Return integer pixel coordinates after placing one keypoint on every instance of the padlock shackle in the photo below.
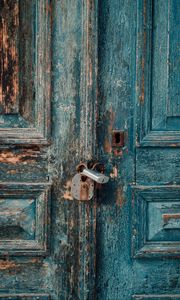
(96, 176)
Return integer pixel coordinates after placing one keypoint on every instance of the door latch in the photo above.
(83, 183)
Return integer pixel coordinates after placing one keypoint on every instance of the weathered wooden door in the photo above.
(84, 81)
(46, 128)
(138, 219)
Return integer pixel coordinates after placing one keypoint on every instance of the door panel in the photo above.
(9, 56)
(157, 81)
(24, 130)
(138, 212)
(80, 81)
(47, 126)
(23, 219)
(156, 221)
(25, 72)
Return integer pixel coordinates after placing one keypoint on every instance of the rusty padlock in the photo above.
(82, 187)
(83, 183)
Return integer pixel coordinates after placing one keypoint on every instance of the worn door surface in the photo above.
(138, 219)
(47, 84)
(89, 81)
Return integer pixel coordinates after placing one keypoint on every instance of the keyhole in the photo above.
(84, 192)
(117, 137)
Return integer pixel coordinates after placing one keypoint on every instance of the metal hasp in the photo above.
(82, 187)
(96, 176)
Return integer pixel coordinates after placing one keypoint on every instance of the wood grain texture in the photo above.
(150, 238)
(28, 72)
(9, 57)
(117, 28)
(90, 243)
(24, 211)
(149, 157)
(154, 75)
(158, 166)
(174, 59)
(25, 266)
(25, 296)
(73, 134)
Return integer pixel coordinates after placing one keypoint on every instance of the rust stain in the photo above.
(9, 157)
(117, 152)
(35, 260)
(12, 172)
(114, 173)
(142, 95)
(6, 264)
(107, 146)
(84, 191)
(168, 217)
(48, 7)
(120, 199)
(67, 194)
(108, 137)
(24, 156)
(90, 75)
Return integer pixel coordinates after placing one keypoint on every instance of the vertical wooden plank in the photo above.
(85, 215)
(116, 87)
(88, 78)
(42, 83)
(74, 110)
(9, 83)
(87, 211)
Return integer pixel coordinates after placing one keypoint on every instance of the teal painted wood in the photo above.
(74, 111)
(155, 221)
(29, 124)
(24, 219)
(136, 88)
(39, 153)
(154, 86)
(157, 297)
(91, 245)
(25, 296)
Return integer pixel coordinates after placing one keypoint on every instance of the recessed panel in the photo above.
(158, 80)
(23, 219)
(156, 221)
(25, 64)
(165, 99)
(17, 219)
(163, 220)
(9, 56)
